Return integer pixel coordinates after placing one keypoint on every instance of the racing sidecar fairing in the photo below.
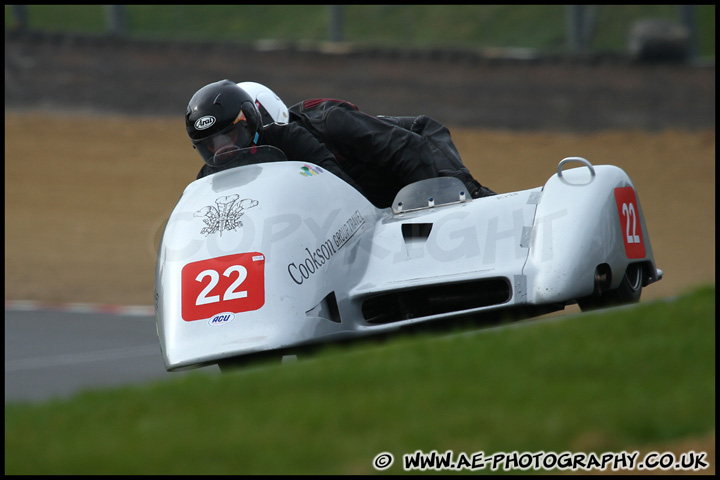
(245, 269)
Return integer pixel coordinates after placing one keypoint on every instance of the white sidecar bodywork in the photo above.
(245, 269)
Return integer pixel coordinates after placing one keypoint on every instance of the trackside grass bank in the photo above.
(524, 26)
(597, 382)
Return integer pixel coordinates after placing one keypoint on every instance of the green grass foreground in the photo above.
(602, 382)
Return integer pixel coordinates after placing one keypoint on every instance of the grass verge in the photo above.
(598, 382)
(541, 27)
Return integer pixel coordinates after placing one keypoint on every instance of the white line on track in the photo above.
(79, 358)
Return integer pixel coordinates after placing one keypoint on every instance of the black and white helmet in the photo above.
(272, 108)
(220, 119)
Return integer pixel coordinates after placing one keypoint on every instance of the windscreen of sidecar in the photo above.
(235, 157)
(430, 193)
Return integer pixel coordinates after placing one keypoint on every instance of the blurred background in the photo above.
(683, 31)
(520, 87)
(442, 61)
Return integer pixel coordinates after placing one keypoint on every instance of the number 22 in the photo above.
(629, 211)
(230, 294)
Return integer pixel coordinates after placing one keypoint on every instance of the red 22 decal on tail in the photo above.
(233, 283)
(630, 224)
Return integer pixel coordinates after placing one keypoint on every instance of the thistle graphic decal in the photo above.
(226, 216)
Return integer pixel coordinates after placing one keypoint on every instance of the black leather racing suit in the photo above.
(383, 154)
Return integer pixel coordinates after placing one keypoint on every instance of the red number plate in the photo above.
(233, 283)
(631, 227)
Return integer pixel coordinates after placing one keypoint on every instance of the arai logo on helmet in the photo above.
(204, 122)
(222, 319)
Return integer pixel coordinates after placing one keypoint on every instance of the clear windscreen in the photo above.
(430, 193)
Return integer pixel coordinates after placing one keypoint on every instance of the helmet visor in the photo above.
(217, 149)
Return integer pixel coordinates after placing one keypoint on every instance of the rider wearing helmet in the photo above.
(272, 109)
(381, 153)
(222, 118)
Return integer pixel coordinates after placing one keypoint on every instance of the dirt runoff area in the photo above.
(86, 198)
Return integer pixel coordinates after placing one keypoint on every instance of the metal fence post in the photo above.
(574, 25)
(580, 26)
(688, 19)
(20, 17)
(116, 20)
(335, 23)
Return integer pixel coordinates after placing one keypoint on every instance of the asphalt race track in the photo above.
(56, 354)
(52, 354)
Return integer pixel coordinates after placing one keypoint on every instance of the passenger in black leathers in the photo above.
(381, 153)
(221, 119)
